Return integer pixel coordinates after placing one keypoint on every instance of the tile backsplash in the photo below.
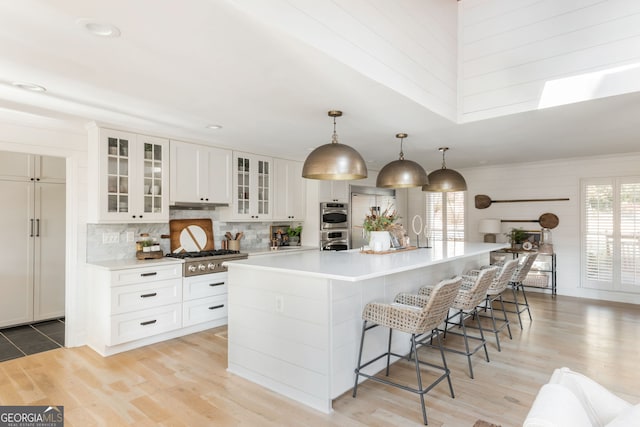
(102, 244)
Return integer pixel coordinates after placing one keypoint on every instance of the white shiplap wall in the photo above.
(409, 46)
(512, 53)
(557, 179)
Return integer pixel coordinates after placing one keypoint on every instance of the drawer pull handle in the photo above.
(148, 322)
(216, 284)
(149, 295)
(216, 306)
(149, 274)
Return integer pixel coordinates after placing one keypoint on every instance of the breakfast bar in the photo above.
(295, 320)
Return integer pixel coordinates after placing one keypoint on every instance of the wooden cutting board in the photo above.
(191, 235)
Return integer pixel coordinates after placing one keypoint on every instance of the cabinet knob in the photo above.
(133, 216)
(140, 216)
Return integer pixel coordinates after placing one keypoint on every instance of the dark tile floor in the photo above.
(29, 339)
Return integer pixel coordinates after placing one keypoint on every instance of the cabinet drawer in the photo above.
(145, 295)
(146, 274)
(204, 286)
(141, 324)
(204, 310)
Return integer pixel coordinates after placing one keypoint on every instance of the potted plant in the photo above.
(376, 224)
(516, 237)
(294, 235)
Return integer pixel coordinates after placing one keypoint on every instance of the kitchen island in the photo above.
(295, 320)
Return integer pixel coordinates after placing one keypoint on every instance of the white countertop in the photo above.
(282, 250)
(353, 265)
(121, 264)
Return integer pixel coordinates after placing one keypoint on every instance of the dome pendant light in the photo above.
(402, 173)
(445, 180)
(334, 161)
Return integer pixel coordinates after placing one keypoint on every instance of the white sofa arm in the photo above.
(572, 399)
(556, 406)
(600, 405)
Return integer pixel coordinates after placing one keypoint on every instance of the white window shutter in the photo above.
(445, 216)
(611, 242)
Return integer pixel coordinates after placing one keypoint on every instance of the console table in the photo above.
(543, 272)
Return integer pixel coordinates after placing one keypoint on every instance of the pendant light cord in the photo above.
(444, 150)
(334, 137)
(401, 153)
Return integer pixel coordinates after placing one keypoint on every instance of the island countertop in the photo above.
(354, 265)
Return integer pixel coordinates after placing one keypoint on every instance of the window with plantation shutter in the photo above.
(630, 235)
(445, 216)
(611, 234)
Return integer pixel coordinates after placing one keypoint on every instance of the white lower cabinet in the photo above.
(145, 295)
(140, 303)
(205, 299)
(204, 310)
(144, 323)
(133, 304)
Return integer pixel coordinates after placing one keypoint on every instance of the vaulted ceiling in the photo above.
(268, 76)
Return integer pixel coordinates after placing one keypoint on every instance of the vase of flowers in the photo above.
(376, 224)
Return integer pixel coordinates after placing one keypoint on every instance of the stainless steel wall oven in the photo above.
(334, 226)
(334, 240)
(334, 216)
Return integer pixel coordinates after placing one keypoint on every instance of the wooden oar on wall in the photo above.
(483, 201)
(546, 220)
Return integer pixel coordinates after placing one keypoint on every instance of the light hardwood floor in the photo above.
(183, 382)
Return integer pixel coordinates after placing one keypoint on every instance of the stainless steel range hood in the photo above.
(196, 206)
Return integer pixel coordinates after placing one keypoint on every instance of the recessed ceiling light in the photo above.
(99, 28)
(29, 86)
(214, 126)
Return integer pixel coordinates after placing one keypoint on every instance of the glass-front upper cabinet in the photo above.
(118, 173)
(128, 177)
(153, 174)
(243, 185)
(252, 183)
(264, 187)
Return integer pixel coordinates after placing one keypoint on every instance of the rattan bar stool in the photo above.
(465, 306)
(517, 286)
(494, 293)
(416, 315)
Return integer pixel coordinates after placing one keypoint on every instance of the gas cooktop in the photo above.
(206, 262)
(202, 254)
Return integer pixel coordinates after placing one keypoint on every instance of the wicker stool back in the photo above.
(416, 315)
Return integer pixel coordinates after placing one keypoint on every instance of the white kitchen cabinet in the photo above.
(140, 324)
(131, 304)
(32, 272)
(135, 303)
(205, 299)
(49, 259)
(252, 189)
(31, 167)
(128, 177)
(289, 190)
(333, 191)
(199, 174)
